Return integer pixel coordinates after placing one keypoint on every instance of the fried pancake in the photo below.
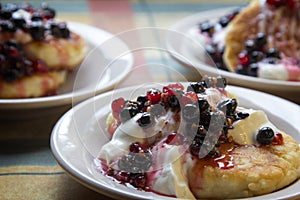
(281, 25)
(40, 84)
(255, 171)
(237, 33)
(42, 36)
(58, 53)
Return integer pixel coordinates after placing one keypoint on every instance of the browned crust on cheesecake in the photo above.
(238, 32)
(256, 171)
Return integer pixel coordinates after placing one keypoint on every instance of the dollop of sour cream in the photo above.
(244, 131)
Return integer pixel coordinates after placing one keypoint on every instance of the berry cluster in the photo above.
(255, 51)
(133, 166)
(153, 104)
(214, 50)
(207, 127)
(40, 24)
(156, 102)
(207, 27)
(14, 64)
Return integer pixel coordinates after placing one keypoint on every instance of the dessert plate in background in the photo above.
(93, 76)
(101, 70)
(183, 50)
(79, 135)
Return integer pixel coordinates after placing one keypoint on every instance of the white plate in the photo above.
(79, 135)
(182, 49)
(99, 71)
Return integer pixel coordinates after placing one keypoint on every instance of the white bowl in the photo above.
(99, 72)
(79, 135)
(183, 50)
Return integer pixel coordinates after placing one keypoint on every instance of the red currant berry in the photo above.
(139, 181)
(167, 92)
(153, 95)
(123, 177)
(176, 86)
(13, 52)
(244, 58)
(174, 139)
(276, 3)
(117, 105)
(135, 147)
(40, 66)
(291, 4)
(278, 139)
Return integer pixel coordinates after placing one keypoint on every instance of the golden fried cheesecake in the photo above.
(36, 51)
(264, 40)
(23, 78)
(247, 170)
(43, 36)
(196, 143)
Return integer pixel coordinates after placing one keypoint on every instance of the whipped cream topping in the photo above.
(287, 70)
(170, 171)
(130, 132)
(124, 135)
(271, 71)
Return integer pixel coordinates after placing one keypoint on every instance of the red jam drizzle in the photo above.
(224, 161)
(278, 139)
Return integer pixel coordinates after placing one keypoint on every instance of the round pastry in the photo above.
(264, 40)
(252, 171)
(261, 40)
(21, 77)
(196, 143)
(36, 51)
(43, 37)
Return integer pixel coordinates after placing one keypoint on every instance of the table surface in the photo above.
(27, 168)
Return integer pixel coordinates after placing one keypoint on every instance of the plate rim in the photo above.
(91, 183)
(193, 20)
(66, 98)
